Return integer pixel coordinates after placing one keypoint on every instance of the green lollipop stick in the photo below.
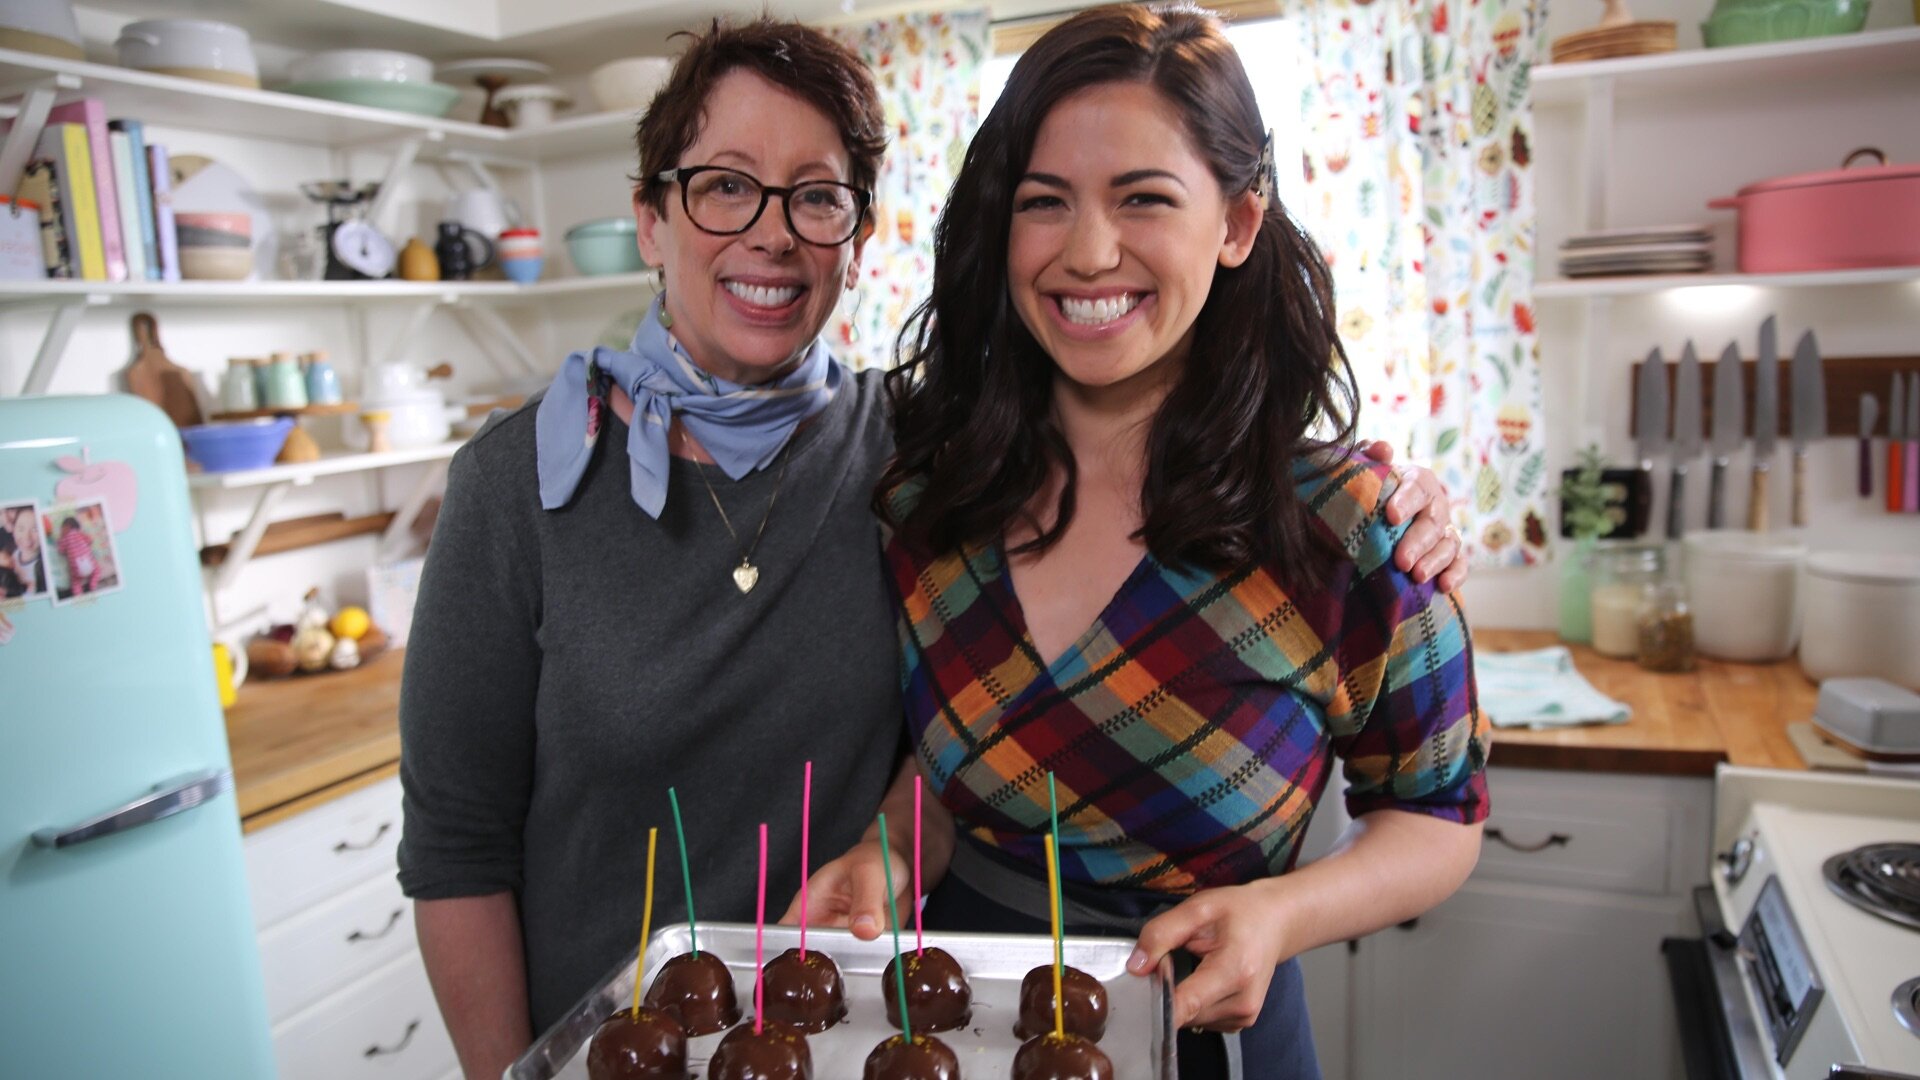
(686, 875)
(893, 909)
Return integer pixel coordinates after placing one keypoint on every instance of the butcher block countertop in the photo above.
(1682, 724)
(298, 742)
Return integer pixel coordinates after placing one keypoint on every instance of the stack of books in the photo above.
(104, 196)
(1652, 249)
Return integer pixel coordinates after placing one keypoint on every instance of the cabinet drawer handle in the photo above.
(343, 847)
(1553, 840)
(392, 921)
(377, 1050)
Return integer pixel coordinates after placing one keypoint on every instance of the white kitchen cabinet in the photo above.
(1547, 962)
(347, 993)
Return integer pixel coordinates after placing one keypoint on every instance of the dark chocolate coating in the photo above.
(925, 1058)
(1086, 1004)
(938, 997)
(697, 990)
(779, 1052)
(648, 1046)
(807, 994)
(1060, 1057)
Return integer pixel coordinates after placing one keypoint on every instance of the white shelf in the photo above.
(595, 133)
(171, 101)
(1574, 288)
(14, 293)
(1736, 69)
(332, 465)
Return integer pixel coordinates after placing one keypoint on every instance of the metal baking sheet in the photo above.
(1139, 1036)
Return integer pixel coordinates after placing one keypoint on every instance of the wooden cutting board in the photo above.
(158, 379)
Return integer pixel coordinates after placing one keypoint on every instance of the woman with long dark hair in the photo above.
(1135, 548)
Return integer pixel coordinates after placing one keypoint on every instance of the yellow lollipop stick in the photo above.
(1053, 901)
(646, 925)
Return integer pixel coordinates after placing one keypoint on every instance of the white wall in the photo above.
(1671, 156)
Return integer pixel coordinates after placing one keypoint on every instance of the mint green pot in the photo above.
(605, 246)
(1755, 22)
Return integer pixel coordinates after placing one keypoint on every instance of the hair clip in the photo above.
(1266, 178)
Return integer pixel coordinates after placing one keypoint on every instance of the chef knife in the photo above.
(1766, 423)
(1650, 410)
(1687, 440)
(1729, 427)
(1809, 415)
(1912, 502)
(1869, 416)
(1897, 434)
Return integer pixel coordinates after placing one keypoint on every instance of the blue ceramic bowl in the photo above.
(525, 270)
(235, 445)
(605, 246)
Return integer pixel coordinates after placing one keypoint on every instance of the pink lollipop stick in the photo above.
(759, 939)
(919, 938)
(806, 868)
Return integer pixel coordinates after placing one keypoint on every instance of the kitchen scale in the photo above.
(356, 251)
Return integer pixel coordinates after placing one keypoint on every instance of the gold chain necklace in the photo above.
(746, 575)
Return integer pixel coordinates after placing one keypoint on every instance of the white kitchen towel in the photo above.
(1540, 689)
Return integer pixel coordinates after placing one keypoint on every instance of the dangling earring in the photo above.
(666, 317)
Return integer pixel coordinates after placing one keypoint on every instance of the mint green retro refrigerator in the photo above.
(126, 935)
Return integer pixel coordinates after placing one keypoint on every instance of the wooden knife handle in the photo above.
(1757, 509)
(1717, 495)
(1799, 488)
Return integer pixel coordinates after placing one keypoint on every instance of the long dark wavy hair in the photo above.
(972, 403)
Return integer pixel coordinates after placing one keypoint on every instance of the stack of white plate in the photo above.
(1652, 249)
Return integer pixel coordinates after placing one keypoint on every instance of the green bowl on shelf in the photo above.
(605, 246)
(1756, 22)
(421, 99)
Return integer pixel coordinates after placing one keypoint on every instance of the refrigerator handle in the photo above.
(167, 798)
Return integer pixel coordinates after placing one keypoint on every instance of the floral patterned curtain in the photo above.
(1418, 166)
(927, 66)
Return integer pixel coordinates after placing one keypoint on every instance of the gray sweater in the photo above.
(566, 667)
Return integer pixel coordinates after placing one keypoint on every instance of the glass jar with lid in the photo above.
(1666, 628)
(1621, 574)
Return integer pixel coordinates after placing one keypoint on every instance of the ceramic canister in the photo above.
(1861, 617)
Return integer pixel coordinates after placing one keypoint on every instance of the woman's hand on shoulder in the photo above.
(851, 892)
(1238, 932)
(1431, 549)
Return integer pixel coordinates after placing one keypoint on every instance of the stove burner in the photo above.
(1881, 878)
(1906, 1004)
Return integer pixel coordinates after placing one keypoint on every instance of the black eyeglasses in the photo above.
(727, 202)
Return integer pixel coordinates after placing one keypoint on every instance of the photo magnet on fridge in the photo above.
(23, 555)
(79, 548)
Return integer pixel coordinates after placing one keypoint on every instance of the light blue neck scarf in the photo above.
(742, 427)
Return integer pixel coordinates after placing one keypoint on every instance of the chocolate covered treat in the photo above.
(697, 990)
(807, 994)
(1060, 1057)
(638, 1044)
(778, 1052)
(1085, 1004)
(938, 997)
(925, 1058)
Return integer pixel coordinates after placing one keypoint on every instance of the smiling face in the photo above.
(1118, 227)
(747, 306)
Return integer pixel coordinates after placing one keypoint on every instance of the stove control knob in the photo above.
(1735, 861)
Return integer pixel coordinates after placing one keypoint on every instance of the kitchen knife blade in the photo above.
(1869, 416)
(1897, 435)
(1729, 427)
(1650, 413)
(1809, 415)
(1766, 422)
(1687, 442)
(1912, 499)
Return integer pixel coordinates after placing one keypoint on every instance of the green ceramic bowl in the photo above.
(1755, 22)
(605, 246)
(423, 99)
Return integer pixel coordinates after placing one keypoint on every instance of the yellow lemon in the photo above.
(351, 622)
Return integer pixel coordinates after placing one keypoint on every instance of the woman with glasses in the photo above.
(667, 572)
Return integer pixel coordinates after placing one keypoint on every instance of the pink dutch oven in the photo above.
(1841, 219)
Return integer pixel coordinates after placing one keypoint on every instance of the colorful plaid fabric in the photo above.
(1192, 728)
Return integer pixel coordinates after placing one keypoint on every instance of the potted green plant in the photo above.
(1583, 509)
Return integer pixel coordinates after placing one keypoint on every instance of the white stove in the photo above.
(1816, 954)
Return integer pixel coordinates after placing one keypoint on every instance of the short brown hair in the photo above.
(800, 59)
